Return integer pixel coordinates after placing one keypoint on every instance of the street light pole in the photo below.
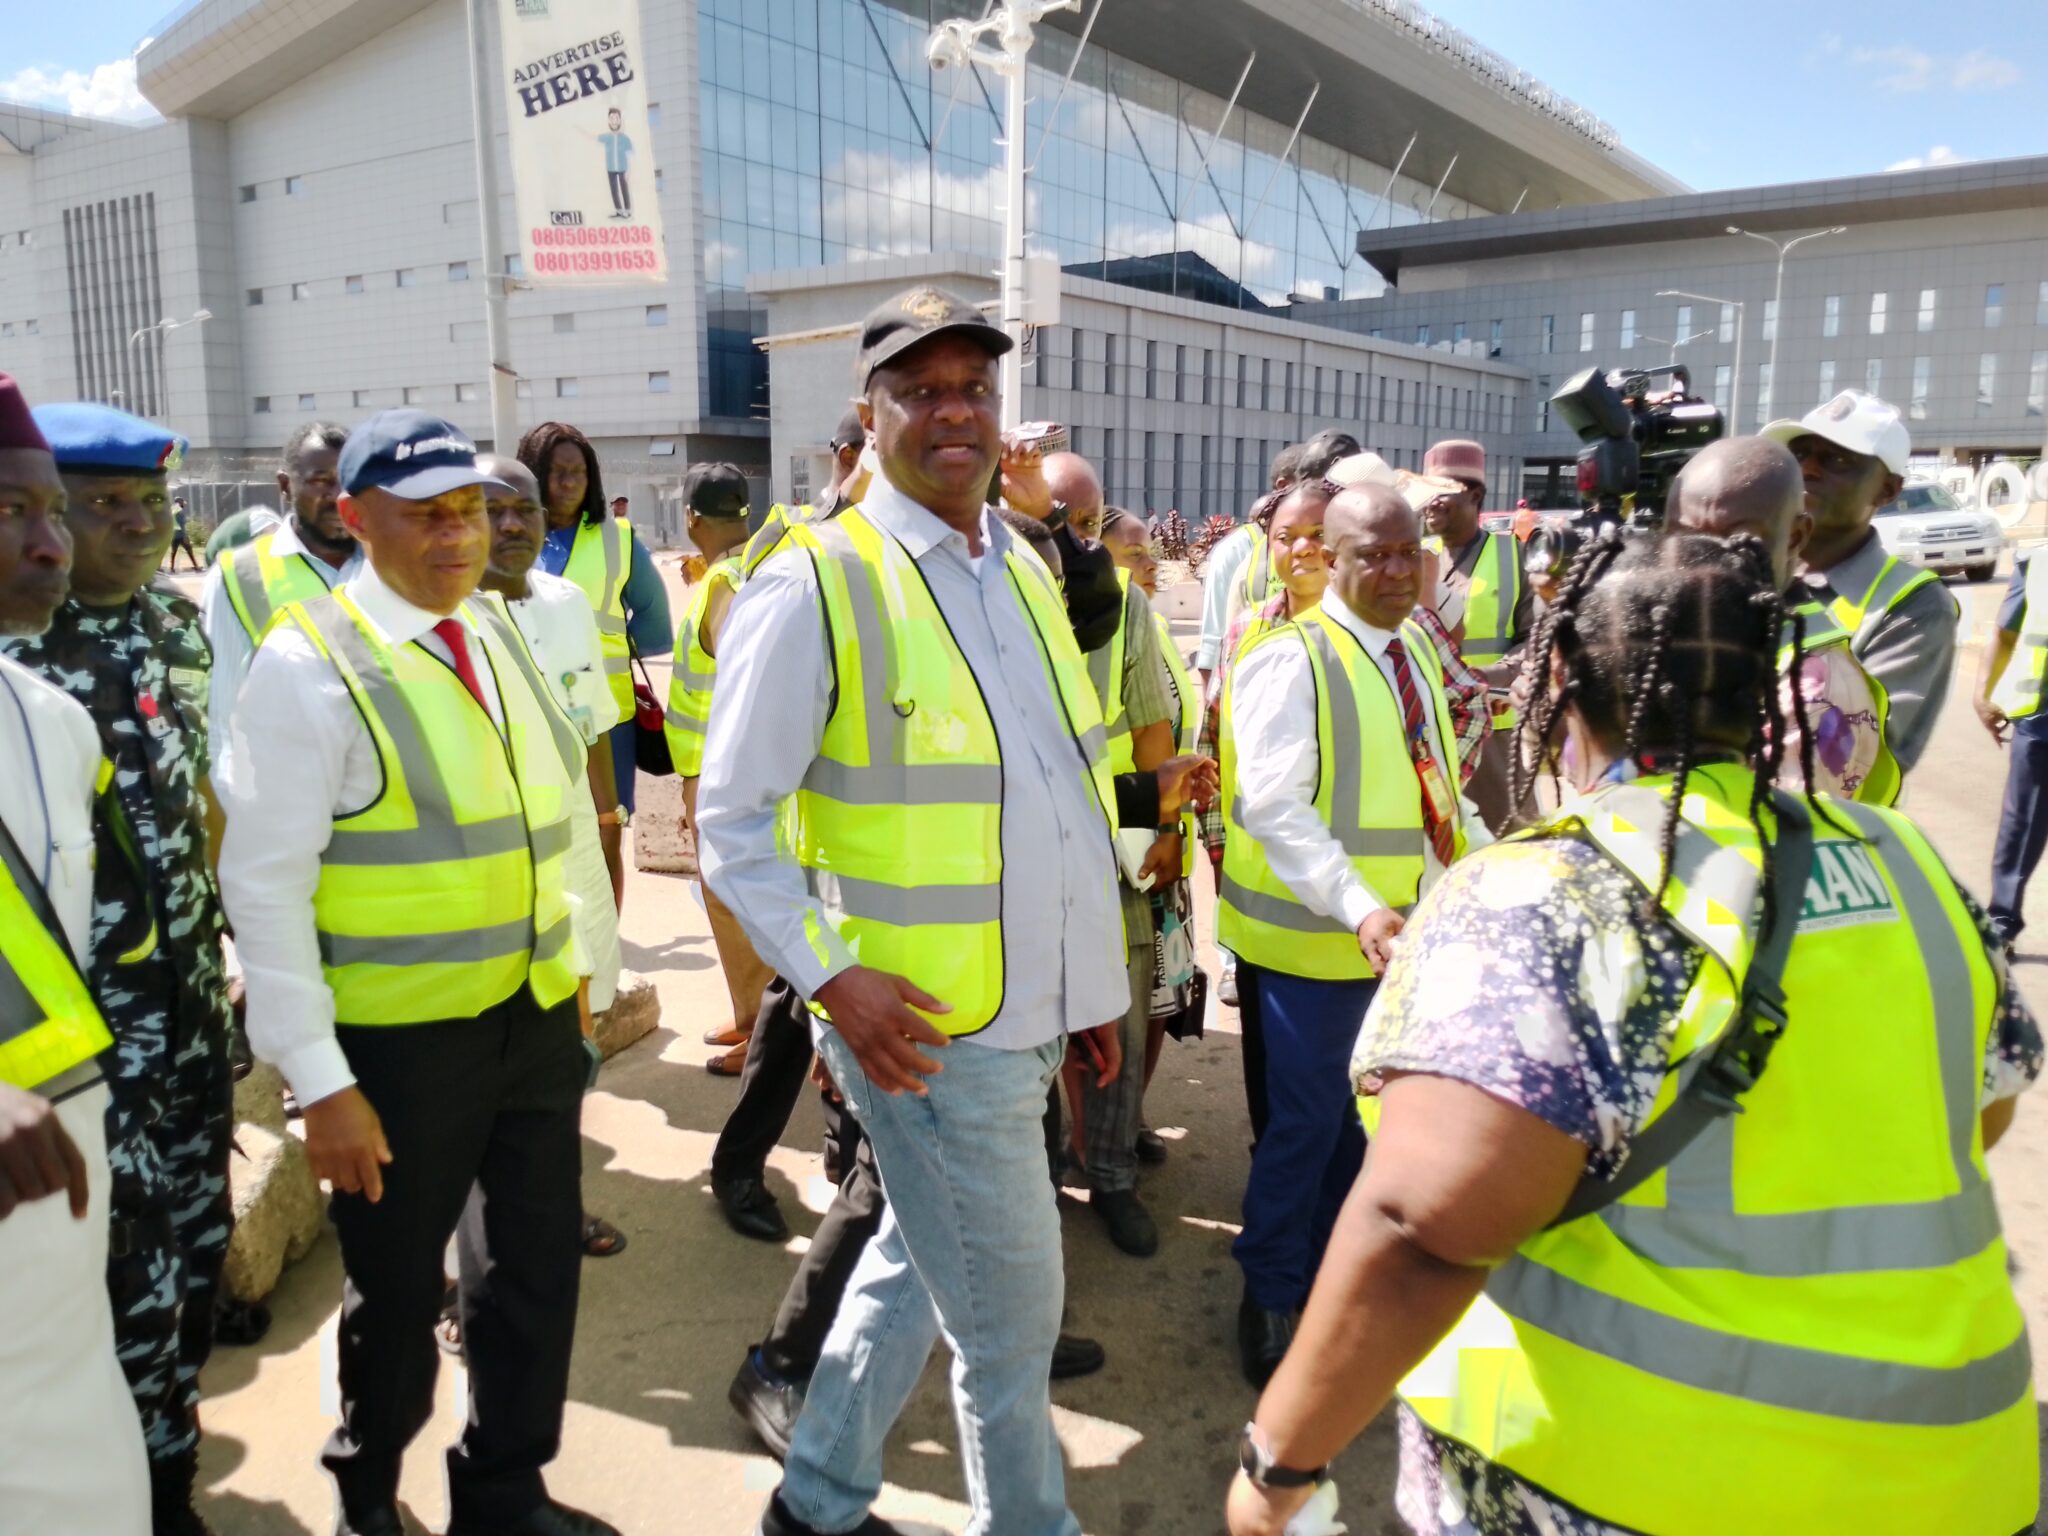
(161, 328)
(1741, 324)
(1784, 249)
(1675, 345)
(953, 46)
(497, 328)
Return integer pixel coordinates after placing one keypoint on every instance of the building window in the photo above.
(1873, 377)
(564, 324)
(408, 277)
(1724, 379)
(1457, 332)
(659, 180)
(458, 271)
(412, 394)
(1080, 347)
(1151, 496)
(522, 389)
(1180, 373)
(1422, 335)
(1494, 334)
(6, 329)
(661, 448)
(32, 327)
(1586, 332)
(1546, 338)
(1763, 393)
(1376, 334)
(352, 284)
(1831, 315)
(657, 382)
(1923, 382)
(1926, 320)
(1316, 405)
(466, 394)
(294, 185)
(249, 193)
(1151, 370)
(567, 389)
(1244, 373)
(261, 405)
(306, 403)
(1265, 383)
(1684, 323)
(1287, 400)
(1987, 382)
(1543, 404)
(1827, 380)
(1994, 306)
(301, 291)
(1877, 308)
(2040, 304)
(1727, 331)
(255, 297)
(1628, 329)
(360, 399)
(1400, 401)
(1208, 376)
(1379, 412)
(1109, 380)
(515, 266)
(654, 116)
(2037, 385)
(657, 314)
(1770, 320)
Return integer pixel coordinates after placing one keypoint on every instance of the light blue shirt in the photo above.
(1226, 560)
(618, 149)
(1063, 946)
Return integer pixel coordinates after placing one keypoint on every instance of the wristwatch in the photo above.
(1255, 1460)
(1057, 518)
(618, 816)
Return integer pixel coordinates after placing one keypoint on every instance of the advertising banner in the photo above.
(582, 156)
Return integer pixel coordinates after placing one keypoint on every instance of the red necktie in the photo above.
(450, 631)
(1441, 835)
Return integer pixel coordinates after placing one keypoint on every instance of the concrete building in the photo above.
(1934, 296)
(1199, 169)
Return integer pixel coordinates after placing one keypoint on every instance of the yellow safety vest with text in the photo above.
(1804, 1322)
(446, 894)
(1367, 794)
(1886, 778)
(1106, 673)
(260, 583)
(898, 822)
(2020, 687)
(51, 1031)
(600, 560)
(695, 670)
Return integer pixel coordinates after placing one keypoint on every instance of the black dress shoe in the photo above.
(770, 1406)
(750, 1210)
(549, 1519)
(1075, 1356)
(380, 1521)
(1151, 1146)
(1262, 1340)
(1130, 1225)
(776, 1520)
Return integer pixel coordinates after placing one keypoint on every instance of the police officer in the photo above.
(133, 655)
(415, 775)
(71, 1456)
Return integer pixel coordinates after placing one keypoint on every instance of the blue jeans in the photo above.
(1304, 1164)
(2022, 828)
(968, 1250)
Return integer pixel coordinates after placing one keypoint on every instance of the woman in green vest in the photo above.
(1607, 1305)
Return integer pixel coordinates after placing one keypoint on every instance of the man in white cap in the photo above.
(1900, 619)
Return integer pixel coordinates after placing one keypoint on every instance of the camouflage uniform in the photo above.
(142, 673)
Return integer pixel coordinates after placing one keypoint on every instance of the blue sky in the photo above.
(1721, 93)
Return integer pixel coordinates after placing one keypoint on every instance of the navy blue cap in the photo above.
(90, 439)
(410, 455)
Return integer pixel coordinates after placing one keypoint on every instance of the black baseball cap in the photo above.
(909, 319)
(411, 455)
(717, 490)
(851, 433)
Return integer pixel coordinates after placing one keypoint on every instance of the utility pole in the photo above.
(1784, 249)
(953, 46)
(497, 333)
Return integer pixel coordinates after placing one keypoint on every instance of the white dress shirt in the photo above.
(1273, 721)
(1063, 946)
(298, 756)
(232, 647)
(49, 767)
(1219, 593)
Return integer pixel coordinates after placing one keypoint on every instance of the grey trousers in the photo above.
(1110, 1116)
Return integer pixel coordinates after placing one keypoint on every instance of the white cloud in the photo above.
(108, 90)
(1904, 71)
(1941, 154)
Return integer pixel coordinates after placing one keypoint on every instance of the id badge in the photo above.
(1436, 791)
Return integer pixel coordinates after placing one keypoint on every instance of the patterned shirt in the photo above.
(1530, 973)
(142, 672)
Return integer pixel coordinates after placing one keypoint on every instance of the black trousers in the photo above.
(794, 1344)
(489, 1104)
(1252, 1051)
(777, 1067)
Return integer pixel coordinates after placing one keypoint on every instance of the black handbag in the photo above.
(650, 741)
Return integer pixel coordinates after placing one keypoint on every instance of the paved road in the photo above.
(650, 1442)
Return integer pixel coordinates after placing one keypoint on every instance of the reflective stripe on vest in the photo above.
(600, 560)
(898, 822)
(1490, 600)
(1255, 585)
(51, 1032)
(694, 670)
(1106, 672)
(768, 538)
(444, 895)
(2019, 689)
(260, 583)
(1893, 584)
(1375, 817)
(1808, 1294)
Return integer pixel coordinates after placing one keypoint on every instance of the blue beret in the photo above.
(90, 438)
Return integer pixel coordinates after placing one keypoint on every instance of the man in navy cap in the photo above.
(132, 653)
(397, 782)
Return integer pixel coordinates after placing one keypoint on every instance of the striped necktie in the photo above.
(1441, 834)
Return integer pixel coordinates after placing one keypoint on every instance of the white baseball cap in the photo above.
(1356, 469)
(1859, 422)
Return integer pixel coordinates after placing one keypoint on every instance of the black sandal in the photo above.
(601, 1240)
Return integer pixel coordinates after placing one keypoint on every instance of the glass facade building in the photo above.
(828, 138)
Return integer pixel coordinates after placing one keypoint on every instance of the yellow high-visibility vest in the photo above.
(1882, 784)
(1493, 593)
(898, 822)
(1255, 583)
(446, 895)
(695, 670)
(600, 560)
(1187, 728)
(1106, 674)
(768, 538)
(260, 583)
(51, 1031)
(2019, 689)
(1366, 792)
(1804, 1322)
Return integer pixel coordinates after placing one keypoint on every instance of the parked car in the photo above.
(1927, 526)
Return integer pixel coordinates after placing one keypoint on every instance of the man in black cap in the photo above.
(132, 653)
(397, 756)
(975, 736)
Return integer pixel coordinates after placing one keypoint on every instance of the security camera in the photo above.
(948, 48)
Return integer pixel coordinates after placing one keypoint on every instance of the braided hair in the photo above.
(537, 453)
(1667, 647)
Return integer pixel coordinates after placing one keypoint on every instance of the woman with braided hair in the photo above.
(1608, 1306)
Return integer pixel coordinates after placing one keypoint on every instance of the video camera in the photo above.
(1637, 438)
